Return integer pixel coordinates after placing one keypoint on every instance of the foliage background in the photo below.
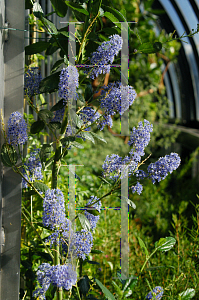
(161, 210)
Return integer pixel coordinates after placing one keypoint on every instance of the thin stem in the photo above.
(33, 227)
(78, 291)
(87, 31)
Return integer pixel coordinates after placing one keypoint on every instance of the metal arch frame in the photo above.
(169, 9)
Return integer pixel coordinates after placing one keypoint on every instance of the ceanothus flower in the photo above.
(93, 219)
(104, 55)
(112, 166)
(89, 115)
(116, 98)
(140, 137)
(156, 293)
(54, 209)
(69, 81)
(165, 165)
(106, 120)
(44, 279)
(32, 79)
(63, 235)
(137, 188)
(33, 168)
(63, 276)
(83, 243)
(17, 129)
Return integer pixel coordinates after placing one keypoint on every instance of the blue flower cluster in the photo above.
(156, 293)
(83, 243)
(63, 235)
(104, 55)
(63, 276)
(137, 188)
(32, 169)
(93, 219)
(32, 79)
(17, 129)
(107, 120)
(165, 165)
(140, 137)
(88, 115)
(44, 279)
(116, 167)
(69, 81)
(54, 209)
(116, 98)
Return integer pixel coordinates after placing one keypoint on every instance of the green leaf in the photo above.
(131, 282)
(123, 12)
(77, 145)
(41, 187)
(57, 65)
(28, 4)
(150, 48)
(59, 105)
(79, 122)
(110, 31)
(36, 48)
(50, 83)
(37, 10)
(99, 137)
(68, 139)
(103, 179)
(81, 98)
(157, 46)
(37, 126)
(88, 136)
(114, 12)
(79, 16)
(52, 48)
(54, 125)
(45, 114)
(186, 295)
(9, 155)
(142, 245)
(44, 255)
(94, 251)
(96, 6)
(84, 222)
(50, 292)
(50, 25)
(60, 7)
(131, 203)
(106, 292)
(45, 152)
(117, 289)
(165, 244)
(111, 17)
(84, 285)
(88, 95)
(75, 6)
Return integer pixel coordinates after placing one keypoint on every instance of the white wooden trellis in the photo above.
(11, 99)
